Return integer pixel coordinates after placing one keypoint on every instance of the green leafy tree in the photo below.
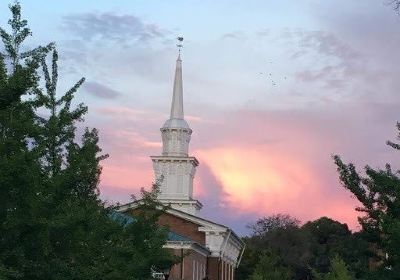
(57, 136)
(331, 238)
(249, 260)
(338, 271)
(273, 222)
(305, 250)
(79, 219)
(20, 172)
(271, 267)
(53, 224)
(147, 238)
(282, 235)
(379, 194)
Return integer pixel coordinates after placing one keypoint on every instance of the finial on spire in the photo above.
(180, 44)
(177, 98)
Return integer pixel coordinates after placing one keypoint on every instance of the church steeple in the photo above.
(177, 97)
(175, 169)
(176, 119)
(176, 131)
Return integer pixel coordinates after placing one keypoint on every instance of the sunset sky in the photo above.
(272, 89)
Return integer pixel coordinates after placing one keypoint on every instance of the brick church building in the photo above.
(208, 249)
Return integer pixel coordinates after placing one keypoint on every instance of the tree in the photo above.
(53, 224)
(274, 222)
(282, 235)
(270, 267)
(249, 260)
(378, 191)
(304, 250)
(20, 172)
(338, 271)
(85, 238)
(333, 239)
(147, 238)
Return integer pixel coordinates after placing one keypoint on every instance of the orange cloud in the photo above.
(264, 180)
(249, 174)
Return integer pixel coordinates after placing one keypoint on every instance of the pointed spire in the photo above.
(177, 98)
(176, 119)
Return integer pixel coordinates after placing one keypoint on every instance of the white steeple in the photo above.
(177, 97)
(175, 169)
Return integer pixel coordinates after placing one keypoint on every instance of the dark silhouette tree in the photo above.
(53, 224)
(378, 191)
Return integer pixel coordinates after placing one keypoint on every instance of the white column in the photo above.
(225, 274)
(193, 270)
(197, 271)
(222, 269)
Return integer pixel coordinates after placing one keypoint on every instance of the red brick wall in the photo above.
(220, 270)
(214, 268)
(194, 266)
(179, 225)
(183, 227)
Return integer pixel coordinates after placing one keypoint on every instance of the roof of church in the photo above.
(184, 215)
(121, 218)
(125, 220)
(137, 203)
(173, 236)
(208, 221)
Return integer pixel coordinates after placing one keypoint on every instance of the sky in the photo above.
(272, 89)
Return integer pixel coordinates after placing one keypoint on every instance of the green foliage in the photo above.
(52, 223)
(58, 131)
(148, 236)
(270, 267)
(20, 32)
(331, 239)
(249, 260)
(21, 177)
(379, 194)
(305, 250)
(281, 235)
(338, 271)
(274, 222)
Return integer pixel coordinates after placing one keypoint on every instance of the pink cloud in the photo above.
(280, 161)
(257, 163)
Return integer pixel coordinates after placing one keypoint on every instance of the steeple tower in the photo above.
(175, 169)
(177, 97)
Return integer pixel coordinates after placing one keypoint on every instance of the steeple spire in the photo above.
(177, 98)
(176, 119)
(175, 169)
